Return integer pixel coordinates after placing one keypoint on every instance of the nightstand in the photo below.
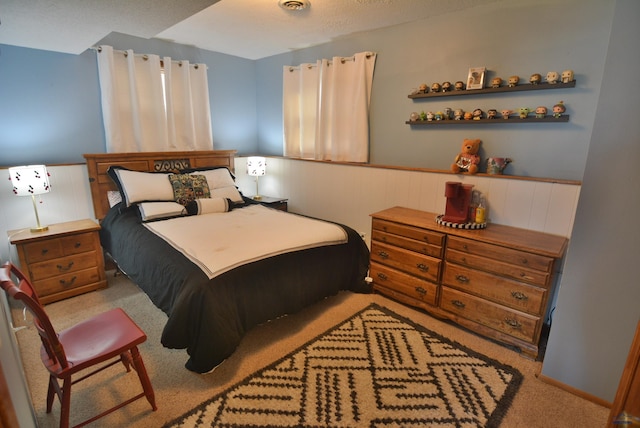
(277, 203)
(64, 261)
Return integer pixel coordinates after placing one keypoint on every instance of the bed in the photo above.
(210, 309)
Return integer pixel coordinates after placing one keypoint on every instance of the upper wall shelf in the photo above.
(522, 87)
(530, 119)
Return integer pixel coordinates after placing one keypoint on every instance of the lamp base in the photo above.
(39, 229)
(257, 197)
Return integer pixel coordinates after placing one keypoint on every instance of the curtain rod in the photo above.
(342, 60)
(145, 57)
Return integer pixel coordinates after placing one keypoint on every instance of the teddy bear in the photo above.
(468, 159)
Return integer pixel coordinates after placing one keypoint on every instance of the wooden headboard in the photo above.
(101, 183)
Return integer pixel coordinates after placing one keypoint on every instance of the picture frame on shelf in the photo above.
(475, 79)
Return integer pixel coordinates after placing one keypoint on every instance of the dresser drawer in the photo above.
(63, 265)
(409, 244)
(407, 261)
(519, 273)
(419, 234)
(67, 281)
(506, 255)
(401, 282)
(501, 290)
(55, 248)
(493, 315)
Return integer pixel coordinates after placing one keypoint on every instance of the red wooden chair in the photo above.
(109, 337)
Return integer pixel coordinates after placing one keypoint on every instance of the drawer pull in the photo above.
(422, 267)
(78, 244)
(465, 246)
(458, 304)
(383, 254)
(421, 290)
(44, 251)
(524, 261)
(426, 239)
(382, 276)
(519, 296)
(513, 323)
(68, 284)
(463, 279)
(64, 268)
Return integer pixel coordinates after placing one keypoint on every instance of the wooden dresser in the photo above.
(495, 281)
(64, 261)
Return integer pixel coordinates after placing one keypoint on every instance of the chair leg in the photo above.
(144, 378)
(65, 403)
(51, 392)
(125, 357)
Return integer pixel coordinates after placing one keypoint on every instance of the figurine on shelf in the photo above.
(535, 78)
(439, 115)
(567, 76)
(478, 114)
(558, 109)
(459, 85)
(448, 113)
(523, 112)
(430, 116)
(435, 87)
(513, 81)
(506, 113)
(553, 77)
(423, 115)
(446, 86)
(414, 117)
(492, 113)
(423, 88)
(541, 112)
(468, 115)
(468, 159)
(458, 114)
(496, 82)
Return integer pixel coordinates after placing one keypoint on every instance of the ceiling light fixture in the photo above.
(294, 4)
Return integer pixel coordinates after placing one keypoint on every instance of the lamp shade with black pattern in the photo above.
(31, 180)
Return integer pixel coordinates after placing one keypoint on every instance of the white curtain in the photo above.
(140, 116)
(326, 108)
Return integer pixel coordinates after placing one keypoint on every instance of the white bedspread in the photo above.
(219, 242)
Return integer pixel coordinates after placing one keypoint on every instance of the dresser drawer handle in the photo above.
(513, 323)
(422, 267)
(78, 244)
(44, 251)
(383, 254)
(463, 279)
(464, 246)
(524, 261)
(68, 284)
(426, 239)
(519, 295)
(64, 268)
(458, 304)
(421, 291)
(382, 276)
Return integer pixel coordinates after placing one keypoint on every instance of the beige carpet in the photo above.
(536, 404)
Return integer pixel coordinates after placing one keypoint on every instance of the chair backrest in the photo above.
(23, 291)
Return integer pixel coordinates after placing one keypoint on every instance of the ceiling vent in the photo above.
(294, 4)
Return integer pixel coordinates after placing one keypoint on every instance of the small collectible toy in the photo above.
(430, 116)
(513, 81)
(541, 112)
(446, 86)
(435, 87)
(459, 85)
(523, 112)
(414, 117)
(506, 113)
(492, 113)
(439, 115)
(553, 77)
(423, 115)
(458, 114)
(496, 82)
(468, 159)
(535, 78)
(558, 109)
(448, 113)
(478, 114)
(468, 115)
(423, 89)
(567, 76)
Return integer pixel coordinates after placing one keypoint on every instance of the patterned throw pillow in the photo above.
(189, 187)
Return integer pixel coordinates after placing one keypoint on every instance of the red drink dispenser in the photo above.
(458, 201)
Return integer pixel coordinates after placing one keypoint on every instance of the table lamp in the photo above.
(31, 180)
(256, 167)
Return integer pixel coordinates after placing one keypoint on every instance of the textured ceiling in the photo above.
(250, 29)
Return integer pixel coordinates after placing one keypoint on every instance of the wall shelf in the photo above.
(548, 119)
(501, 89)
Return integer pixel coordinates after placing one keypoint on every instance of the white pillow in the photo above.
(144, 186)
(114, 197)
(160, 210)
(230, 192)
(212, 205)
(217, 178)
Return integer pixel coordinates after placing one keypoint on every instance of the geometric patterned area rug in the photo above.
(376, 369)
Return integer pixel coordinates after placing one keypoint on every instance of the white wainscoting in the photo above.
(349, 194)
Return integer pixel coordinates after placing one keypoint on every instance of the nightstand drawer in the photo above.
(67, 281)
(63, 265)
(65, 246)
